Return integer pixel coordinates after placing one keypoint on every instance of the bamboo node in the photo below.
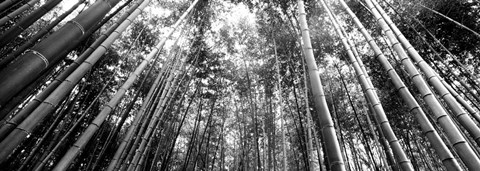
(396, 42)
(41, 56)
(78, 25)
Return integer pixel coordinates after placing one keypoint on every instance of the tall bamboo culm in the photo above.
(120, 150)
(42, 56)
(11, 56)
(150, 98)
(47, 107)
(465, 120)
(279, 107)
(468, 156)
(32, 105)
(325, 119)
(108, 108)
(26, 22)
(16, 12)
(368, 89)
(5, 4)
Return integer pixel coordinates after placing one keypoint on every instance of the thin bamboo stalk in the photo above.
(132, 129)
(452, 20)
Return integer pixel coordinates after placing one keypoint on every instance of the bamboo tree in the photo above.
(309, 119)
(166, 161)
(325, 120)
(365, 142)
(7, 59)
(454, 93)
(30, 65)
(7, 3)
(55, 123)
(194, 136)
(459, 143)
(64, 74)
(20, 133)
(113, 133)
(461, 67)
(380, 116)
(32, 105)
(139, 117)
(18, 11)
(279, 107)
(452, 20)
(148, 111)
(27, 21)
(462, 116)
(301, 131)
(60, 142)
(253, 109)
(307, 106)
(159, 114)
(339, 128)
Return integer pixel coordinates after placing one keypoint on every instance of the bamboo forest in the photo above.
(249, 85)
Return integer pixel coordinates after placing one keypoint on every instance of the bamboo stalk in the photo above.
(45, 54)
(454, 135)
(325, 119)
(27, 21)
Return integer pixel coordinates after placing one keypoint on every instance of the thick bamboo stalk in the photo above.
(108, 108)
(5, 4)
(461, 67)
(454, 93)
(465, 120)
(27, 21)
(325, 119)
(397, 149)
(20, 116)
(48, 106)
(30, 65)
(18, 11)
(32, 105)
(10, 57)
(453, 134)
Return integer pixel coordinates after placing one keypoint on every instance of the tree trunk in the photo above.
(325, 120)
